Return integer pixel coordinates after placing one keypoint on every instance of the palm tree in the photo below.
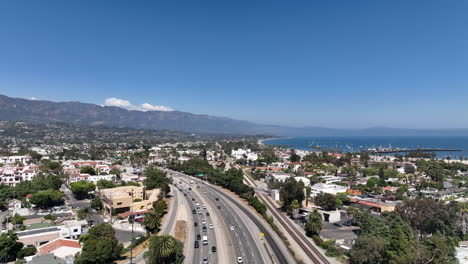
(162, 250)
(152, 222)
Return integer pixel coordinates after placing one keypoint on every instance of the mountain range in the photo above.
(78, 113)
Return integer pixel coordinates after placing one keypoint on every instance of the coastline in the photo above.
(261, 141)
(301, 146)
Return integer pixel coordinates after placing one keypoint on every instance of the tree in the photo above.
(429, 217)
(152, 222)
(410, 168)
(293, 207)
(17, 219)
(314, 224)
(99, 246)
(89, 170)
(368, 249)
(96, 203)
(294, 157)
(81, 188)
(156, 178)
(9, 246)
(160, 206)
(25, 252)
(327, 201)
(105, 184)
(164, 250)
(291, 190)
(84, 213)
(45, 199)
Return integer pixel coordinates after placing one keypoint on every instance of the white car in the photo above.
(231, 228)
(239, 260)
(203, 221)
(211, 226)
(204, 206)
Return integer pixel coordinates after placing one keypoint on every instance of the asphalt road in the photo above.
(246, 240)
(203, 250)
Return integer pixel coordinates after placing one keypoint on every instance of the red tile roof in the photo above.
(56, 244)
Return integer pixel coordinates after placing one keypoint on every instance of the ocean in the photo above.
(356, 144)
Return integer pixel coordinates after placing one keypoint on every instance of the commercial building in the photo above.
(128, 198)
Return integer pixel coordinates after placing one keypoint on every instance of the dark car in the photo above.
(195, 224)
(194, 212)
(190, 188)
(207, 214)
(193, 199)
(219, 206)
(185, 194)
(217, 199)
(213, 249)
(196, 244)
(204, 228)
(198, 237)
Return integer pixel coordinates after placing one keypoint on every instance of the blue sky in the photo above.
(319, 63)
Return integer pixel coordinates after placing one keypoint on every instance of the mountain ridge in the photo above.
(74, 112)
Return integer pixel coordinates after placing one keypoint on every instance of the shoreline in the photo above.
(261, 141)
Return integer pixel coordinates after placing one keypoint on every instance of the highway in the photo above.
(245, 239)
(200, 215)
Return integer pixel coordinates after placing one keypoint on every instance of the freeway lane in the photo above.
(203, 250)
(241, 236)
(271, 248)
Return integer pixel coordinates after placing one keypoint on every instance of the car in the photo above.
(193, 199)
(213, 249)
(203, 221)
(217, 199)
(204, 228)
(199, 212)
(194, 212)
(185, 194)
(205, 260)
(240, 260)
(207, 214)
(231, 228)
(211, 226)
(189, 188)
(195, 224)
(196, 244)
(198, 237)
(204, 206)
(219, 206)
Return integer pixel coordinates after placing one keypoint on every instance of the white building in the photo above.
(305, 180)
(275, 194)
(15, 159)
(244, 154)
(326, 188)
(72, 229)
(95, 178)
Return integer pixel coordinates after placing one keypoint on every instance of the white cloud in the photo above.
(117, 102)
(129, 106)
(32, 98)
(151, 107)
